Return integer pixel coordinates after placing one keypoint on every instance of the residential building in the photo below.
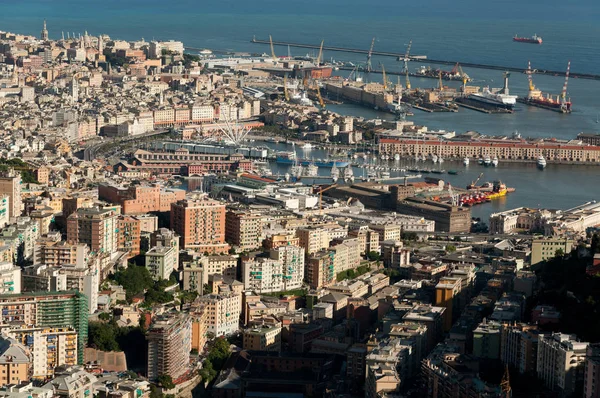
(292, 259)
(347, 255)
(196, 273)
(141, 199)
(224, 312)
(62, 309)
(49, 346)
(320, 269)
(446, 292)
(73, 382)
(313, 239)
(161, 262)
(169, 345)
(96, 227)
(128, 235)
(262, 338)
(591, 379)
(10, 185)
(199, 315)
(10, 278)
(518, 346)
(52, 251)
(546, 248)
(486, 340)
(5, 209)
(243, 229)
(381, 379)
(561, 362)
(200, 222)
(15, 362)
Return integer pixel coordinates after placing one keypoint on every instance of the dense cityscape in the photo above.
(181, 224)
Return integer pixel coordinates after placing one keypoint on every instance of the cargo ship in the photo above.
(486, 193)
(558, 103)
(535, 39)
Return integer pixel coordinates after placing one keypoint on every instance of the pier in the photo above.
(424, 59)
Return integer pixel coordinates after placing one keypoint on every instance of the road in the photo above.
(92, 151)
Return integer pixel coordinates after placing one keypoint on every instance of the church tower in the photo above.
(44, 34)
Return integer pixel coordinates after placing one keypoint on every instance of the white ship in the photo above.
(297, 170)
(541, 162)
(335, 173)
(397, 157)
(466, 161)
(496, 97)
(480, 160)
(311, 170)
(434, 158)
(301, 99)
(307, 147)
(348, 174)
(440, 160)
(487, 160)
(495, 161)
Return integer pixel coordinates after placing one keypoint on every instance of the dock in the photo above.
(424, 59)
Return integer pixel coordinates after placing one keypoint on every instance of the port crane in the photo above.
(406, 58)
(368, 66)
(407, 82)
(320, 57)
(474, 183)
(563, 95)
(320, 193)
(272, 49)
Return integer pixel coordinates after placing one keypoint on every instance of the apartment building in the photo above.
(561, 362)
(161, 262)
(200, 222)
(243, 229)
(169, 345)
(96, 227)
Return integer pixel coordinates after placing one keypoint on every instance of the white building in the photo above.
(561, 361)
(224, 312)
(161, 261)
(10, 278)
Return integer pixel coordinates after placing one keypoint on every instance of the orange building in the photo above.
(200, 221)
(140, 199)
(128, 235)
(15, 362)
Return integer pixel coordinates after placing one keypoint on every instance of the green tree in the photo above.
(102, 336)
(165, 381)
(450, 248)
(373, 256)
(104, 316)
(134, 279)
(559, 253)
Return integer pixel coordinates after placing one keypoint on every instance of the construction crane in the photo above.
(406, 57)
(441, 85)
(474, 183)
(320, 193)
(352, 72)
(272, 49)
(285, 88)
(530, 72)
(407, 82)
(320, 57)
(563, 95)
(319, 97)
(464, 77)
(369, 67)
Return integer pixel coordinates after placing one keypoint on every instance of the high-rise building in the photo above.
(313, 239)
(128, 235)
(446, 292)
(64, 309)
(224, 310)
(518, 346)
(200, 221)
(10, 278)
(96, 227)
(44, 33)
(262, 338)
(196, 273)
(53, 251)
(561, 362)
(591, 379)
(243, 229)
(486, 340)
(10, 185)
(320, 269)
(283, 271)
(169, 345)
(50, 347)
(292, 259)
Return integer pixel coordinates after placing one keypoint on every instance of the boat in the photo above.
(434, 158)
(438, 171)
(335, 173)
(495, 99)
(307, 147)
(397, 157)
(348, 174)
(311, 170)
(480, 160)
(284, 158)
(466, 161)
(535, 97)
(535, 39)
(495, 161)
(301, 99)
(453, 172)
(440, 160)
(541, 162)
(297, 170)
(487, 161)
(385, 175)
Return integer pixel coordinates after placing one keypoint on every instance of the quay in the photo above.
(424, 59)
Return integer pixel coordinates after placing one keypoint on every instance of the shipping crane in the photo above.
(441, 85)
(406, 58)
(474, 183)
(563, 95)
(384, 77)
(320, 193)
(407, 82)
(352, 72)
(530, 72)
(285, 88)
(464, 77)
(320, 57)
(272, 49)
(368, 66)
(319, 97)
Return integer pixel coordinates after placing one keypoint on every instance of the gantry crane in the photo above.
(320, 193)
(272, 49)
(369, 67)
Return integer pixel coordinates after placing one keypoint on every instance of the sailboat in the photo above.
(335, 173)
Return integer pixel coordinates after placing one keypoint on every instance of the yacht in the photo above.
(385, 175)
(487, 160)
(440, 160)
(434, 158)
(335, 173)
(397, 157)
(348, 174)
(480, 160)
(495, 161)
(307, 147)
(541, 162)
(466, 161)
(311, 170)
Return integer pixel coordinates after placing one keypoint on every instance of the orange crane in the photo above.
(320, 192)
(272, 49)
(285, 88)
(384, 77)
(474, 183)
